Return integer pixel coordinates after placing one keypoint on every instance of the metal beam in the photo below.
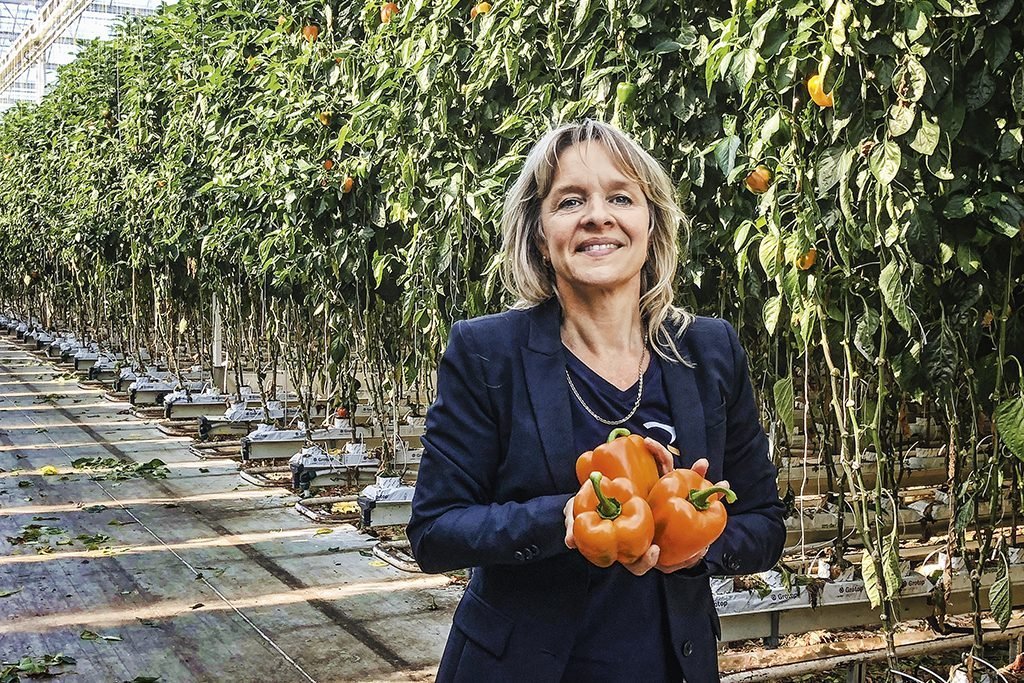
(47, 27)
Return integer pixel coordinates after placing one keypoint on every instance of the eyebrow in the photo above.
(566, 189)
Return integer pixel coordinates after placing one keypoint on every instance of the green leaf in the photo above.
(869, 574)
(837, 36)
(1000, 600)
(9, 593)
(828, 169)
(958, 207)
(910, 80)
(885, 161)
(891, 561)
(784, 400)
(772, 309)
(864, 336)
(769, 253)
(582, 11)
(968, 259)
(980, 89)
(894, 296)
(1009, 420)
(1017, 90)
(725, 153)
(901, 118)
(997, 45)
(742, 68)
(927, 136)
(965, 515)
(1010, 143)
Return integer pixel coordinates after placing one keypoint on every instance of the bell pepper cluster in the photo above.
(623, 506)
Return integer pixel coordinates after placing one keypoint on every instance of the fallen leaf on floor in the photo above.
(92, 635)
(48, 470)
(92, 541)
(144, 679)
(197, 605)
(217, 571)
(146, 622)
(378, 563)
(38, 518)
(7, 594)
(40, 430)
(204, 470)
(334, 549)
(95, 508)
(24, 484)
(171, 505)
(34, 667)
(321, 532)
(117, 522)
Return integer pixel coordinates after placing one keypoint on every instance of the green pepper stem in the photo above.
(699, 499)
(616, 433)
(608, 508)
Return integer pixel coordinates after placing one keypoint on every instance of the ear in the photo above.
(542, 247)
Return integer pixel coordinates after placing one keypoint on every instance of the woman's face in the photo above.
(595, 222)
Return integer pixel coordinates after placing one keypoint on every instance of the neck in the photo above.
(603, 325)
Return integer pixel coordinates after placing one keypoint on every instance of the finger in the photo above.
(701, 467)
(724, 484)
(661, 456)
(689, 562)
(569, 541)
(645, 563)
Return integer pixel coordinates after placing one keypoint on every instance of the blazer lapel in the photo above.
(544, 364)
(687, 410)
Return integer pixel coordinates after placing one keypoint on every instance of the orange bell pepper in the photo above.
(611, 521)
(688, 515)
(622, 455)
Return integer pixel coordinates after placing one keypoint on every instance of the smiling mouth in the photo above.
(606, 247)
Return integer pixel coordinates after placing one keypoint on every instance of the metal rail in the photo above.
(43, 31)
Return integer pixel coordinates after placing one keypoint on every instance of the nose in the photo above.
(597, 213)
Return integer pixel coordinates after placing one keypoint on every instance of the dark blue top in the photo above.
(600, 651)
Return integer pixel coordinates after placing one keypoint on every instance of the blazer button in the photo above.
(687, 648)
(519, 556)
(534, 550)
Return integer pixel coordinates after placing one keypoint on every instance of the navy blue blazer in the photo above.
(499, 466)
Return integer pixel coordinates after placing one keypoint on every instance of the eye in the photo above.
(568, 203)
(622, 200)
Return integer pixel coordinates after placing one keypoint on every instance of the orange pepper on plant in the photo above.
(611, 521)
(688, 515)
(622, 455)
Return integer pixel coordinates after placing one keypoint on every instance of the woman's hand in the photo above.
(664, 458)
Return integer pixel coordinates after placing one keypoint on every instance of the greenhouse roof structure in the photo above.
(37, 36)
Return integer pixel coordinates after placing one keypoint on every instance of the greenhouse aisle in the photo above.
(192, 577)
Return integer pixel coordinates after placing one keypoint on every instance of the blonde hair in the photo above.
(533, 282)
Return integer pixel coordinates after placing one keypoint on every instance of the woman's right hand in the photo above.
(569, 542)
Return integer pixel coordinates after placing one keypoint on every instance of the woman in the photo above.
(591, 248)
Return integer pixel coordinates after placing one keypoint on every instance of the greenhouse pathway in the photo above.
(192, 577)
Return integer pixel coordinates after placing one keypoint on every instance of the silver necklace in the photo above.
(639, 394)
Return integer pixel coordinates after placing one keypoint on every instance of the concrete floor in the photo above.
(203, 578)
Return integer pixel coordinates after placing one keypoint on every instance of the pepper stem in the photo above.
(699, 499)
(608, 508)
(616, 433)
